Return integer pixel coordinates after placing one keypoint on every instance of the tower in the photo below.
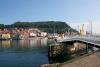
(82, 30)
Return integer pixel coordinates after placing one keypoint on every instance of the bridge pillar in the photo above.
(56, 52)
(87, 48)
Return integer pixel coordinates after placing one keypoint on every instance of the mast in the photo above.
(90, 27)
(54, 30)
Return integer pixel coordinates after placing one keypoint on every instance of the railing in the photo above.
(86, 38)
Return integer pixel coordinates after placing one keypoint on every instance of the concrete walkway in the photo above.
(88, 61)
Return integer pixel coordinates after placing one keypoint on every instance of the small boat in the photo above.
(18, 37)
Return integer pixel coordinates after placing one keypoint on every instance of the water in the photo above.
(23, 53)
(33, 52)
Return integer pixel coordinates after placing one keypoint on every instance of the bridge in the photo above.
(90, 40)
(59, 48)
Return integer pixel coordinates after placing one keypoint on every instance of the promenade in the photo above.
(92, 60)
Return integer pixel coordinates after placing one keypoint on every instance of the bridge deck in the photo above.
(91, 40)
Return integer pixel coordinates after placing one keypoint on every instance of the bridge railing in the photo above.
(89, 38)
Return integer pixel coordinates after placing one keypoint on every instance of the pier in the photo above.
(77, 44)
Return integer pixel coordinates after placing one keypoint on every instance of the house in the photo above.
(32, 34)
(5, 36)
(43, 34)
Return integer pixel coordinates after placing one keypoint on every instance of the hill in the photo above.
(46, 26)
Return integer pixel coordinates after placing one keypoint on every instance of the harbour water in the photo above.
(23, 53)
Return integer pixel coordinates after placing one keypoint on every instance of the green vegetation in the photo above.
(46, 26)
(2, 26)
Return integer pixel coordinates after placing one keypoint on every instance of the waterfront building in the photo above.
(32, 34)
(43, 34)
(5, 36)
(21, 33)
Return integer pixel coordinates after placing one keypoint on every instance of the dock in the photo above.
(92, 60)
(88, 61)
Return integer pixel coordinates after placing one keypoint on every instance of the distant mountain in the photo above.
(46, 26)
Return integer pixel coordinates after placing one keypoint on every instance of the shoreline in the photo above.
(77, 59)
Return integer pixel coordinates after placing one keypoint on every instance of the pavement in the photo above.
(92, 60)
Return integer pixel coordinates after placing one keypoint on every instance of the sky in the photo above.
(71, 11)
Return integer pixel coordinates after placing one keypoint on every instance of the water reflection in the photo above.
(23, 45)
(23, 53)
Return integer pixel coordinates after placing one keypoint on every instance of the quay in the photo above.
(56, 50)
(92, 60)
(60, 49)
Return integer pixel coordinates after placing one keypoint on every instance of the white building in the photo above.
(43, 34)
(32, 34)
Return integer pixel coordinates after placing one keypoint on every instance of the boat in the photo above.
(18, 37)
